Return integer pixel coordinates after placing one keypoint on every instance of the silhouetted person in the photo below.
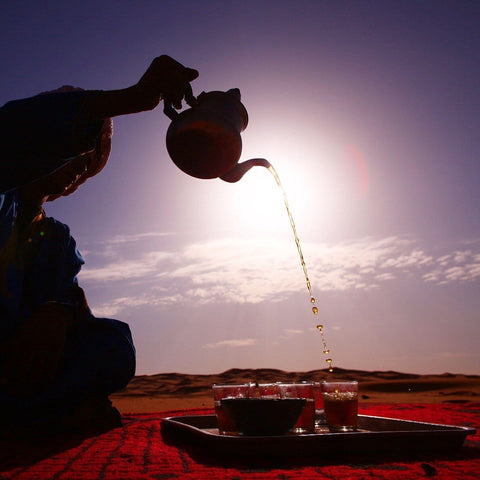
(58, 363)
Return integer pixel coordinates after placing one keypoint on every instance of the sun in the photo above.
(298, 177)
(260, 203)
(323, 178)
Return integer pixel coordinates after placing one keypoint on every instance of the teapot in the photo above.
(204, 140)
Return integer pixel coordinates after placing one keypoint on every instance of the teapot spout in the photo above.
(241, 169)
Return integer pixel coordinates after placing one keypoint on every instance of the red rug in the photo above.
(137, 451)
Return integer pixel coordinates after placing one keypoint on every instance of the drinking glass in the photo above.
(225, 425)
(306, 391)
(340, 402)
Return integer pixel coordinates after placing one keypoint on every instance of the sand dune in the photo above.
(170, 391)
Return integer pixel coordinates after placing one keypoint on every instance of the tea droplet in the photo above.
(315, 310)
(312, 300)
(320, 327)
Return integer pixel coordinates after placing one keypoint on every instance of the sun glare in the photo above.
(259, 203)
(308, 186)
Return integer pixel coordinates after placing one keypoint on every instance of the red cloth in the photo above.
(137, 451)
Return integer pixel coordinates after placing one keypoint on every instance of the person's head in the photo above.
(77, 171)
(66, 179)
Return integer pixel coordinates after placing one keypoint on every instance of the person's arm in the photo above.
(164, 79)
(40, 134)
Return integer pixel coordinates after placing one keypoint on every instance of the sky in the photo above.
(368, 111)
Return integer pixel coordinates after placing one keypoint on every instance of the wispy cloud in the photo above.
(291, 331)
(125, 269)
(254, 271)
(244, 342)
(288, 333)
(459, 266)
(119, 239)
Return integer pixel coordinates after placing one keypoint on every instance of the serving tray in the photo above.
(374, 434)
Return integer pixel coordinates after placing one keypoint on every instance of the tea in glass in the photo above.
(306, 391)
(340, 402)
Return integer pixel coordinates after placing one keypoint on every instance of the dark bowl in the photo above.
(263, 416)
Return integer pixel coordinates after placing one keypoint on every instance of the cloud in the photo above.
(111, 308)
(459, 266)
(264, 270)
(291, 331)
(119, 239)
(147, 265)
(288, 333)
(245, 342)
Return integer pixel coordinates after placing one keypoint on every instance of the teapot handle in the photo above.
(170, 112)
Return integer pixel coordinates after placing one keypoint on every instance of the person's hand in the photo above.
(168, 79)
(164, 79)
(32, 354)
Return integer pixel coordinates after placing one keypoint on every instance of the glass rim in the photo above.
(342, 382)
(302, 383)
(229, 385)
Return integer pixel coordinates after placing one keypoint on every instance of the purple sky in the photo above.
(370, 113)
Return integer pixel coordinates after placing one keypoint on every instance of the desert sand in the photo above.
(176, 391)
